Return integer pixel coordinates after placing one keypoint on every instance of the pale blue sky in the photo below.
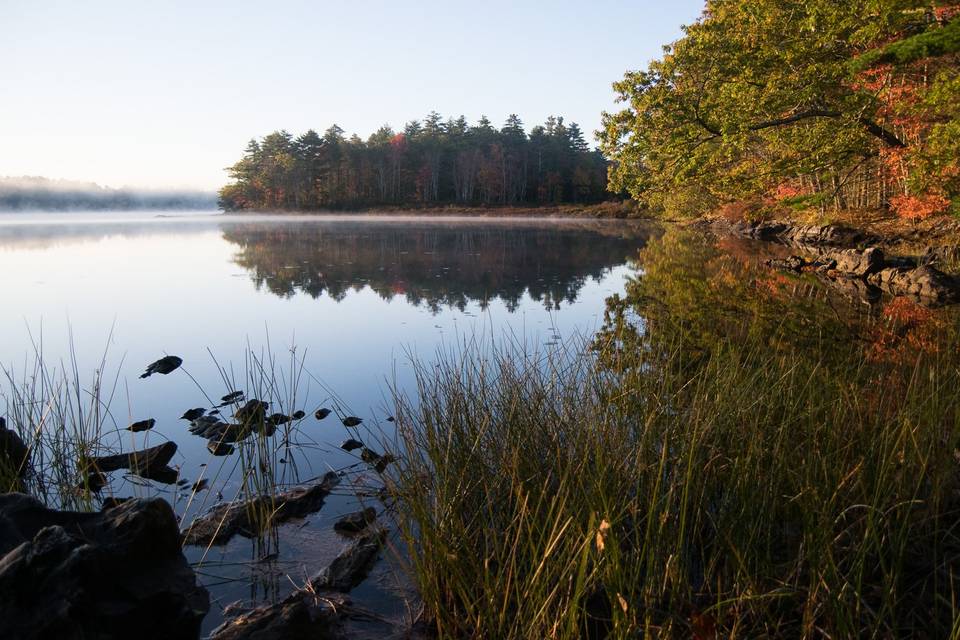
(166, 93)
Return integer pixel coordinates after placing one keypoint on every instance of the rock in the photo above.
(926, 283)
(142, 425)
(300, 616)
(219, 449)
(356, 521)
(163, 366)
(118, 573)
(147, 463)
(14, 454)
(241, 517)
(858, 264)
(350, 444)
(351, 566)
(352, 421)
(322, 413)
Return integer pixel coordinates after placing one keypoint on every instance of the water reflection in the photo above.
(435, 264)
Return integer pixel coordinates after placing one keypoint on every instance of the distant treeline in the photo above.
(428, 163)
(43, 194)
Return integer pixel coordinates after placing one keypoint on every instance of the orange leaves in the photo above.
(919, 207)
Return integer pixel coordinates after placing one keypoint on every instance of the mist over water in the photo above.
(37, 194)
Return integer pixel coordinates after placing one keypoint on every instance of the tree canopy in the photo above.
(797, 103)
(429, 162)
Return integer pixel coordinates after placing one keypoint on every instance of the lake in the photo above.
(352, 301)
(336, 311)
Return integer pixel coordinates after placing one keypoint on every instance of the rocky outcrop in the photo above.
(924, 282)
(854, 263)
(114, 574)
(866, 274)
(249, 518)
(829, 235)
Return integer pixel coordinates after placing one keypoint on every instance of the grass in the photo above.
(755, 492)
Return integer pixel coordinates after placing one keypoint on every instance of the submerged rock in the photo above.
(114, 574)
(352, 421)
(322, 413)
(350, 444)
(356, 521)
(249, 518)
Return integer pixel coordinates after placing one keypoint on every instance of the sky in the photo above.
(166, 94)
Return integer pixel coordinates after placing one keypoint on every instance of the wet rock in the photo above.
(300, 616)
(163, 366)
(350, 444)
(147, 463)
(352, 565)
(200, 485)
(142, 425)
(118, 573)
(926, 283)
(322, 413)
(356, 521)
(798, 234)
(352, 421)
(299, 414)
(252, 410)
(858, 264)
(233, 396)
(193, 414)
(249, 518)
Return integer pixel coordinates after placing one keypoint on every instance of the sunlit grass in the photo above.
(756, 493)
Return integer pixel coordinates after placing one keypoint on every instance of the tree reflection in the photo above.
(436, 264)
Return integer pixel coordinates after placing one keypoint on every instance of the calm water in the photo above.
(353, 299)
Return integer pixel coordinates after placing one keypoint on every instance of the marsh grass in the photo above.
(755, 492)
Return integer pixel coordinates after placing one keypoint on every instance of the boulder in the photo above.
(118, 573)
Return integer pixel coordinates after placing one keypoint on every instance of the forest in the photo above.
(431, 162)
(790, 105)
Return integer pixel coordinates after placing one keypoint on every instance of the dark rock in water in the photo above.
(858, 264)
(14, 454)
(252, 411)
(351, 566)
(350, 444)
(300, 616)
(115, 574)
(220, 449)
(277, 419)
(142, 425)
(226, 520)
(322, 413)
(926, 283)
(391, 419)
(233, 396)
(200, 485)
(148, 463)
(369, 455)
(193, 414)
(317, 611)
(164, 365)
(352, 421)
(299, 415)
(356, 521)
